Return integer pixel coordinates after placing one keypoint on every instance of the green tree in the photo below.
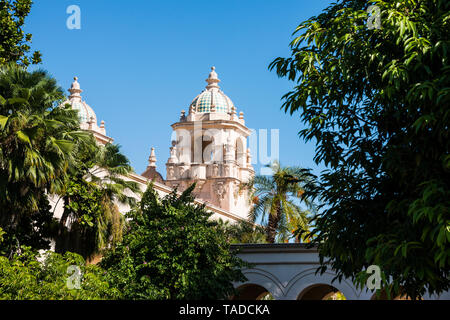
(172, 250)
(244, 231)
(25, 277)
(14, 42)
(275, 198)
(376, 101)
(91, 220)
(37, 142)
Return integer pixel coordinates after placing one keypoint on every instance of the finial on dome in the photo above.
(212, 80)
(75, 89)
(152, 158)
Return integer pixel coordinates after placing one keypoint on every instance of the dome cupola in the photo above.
(87, 116)
(85, 113)
(212, 99)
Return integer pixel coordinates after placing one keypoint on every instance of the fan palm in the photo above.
(91, 220)
(111, 166)
(274, 198)
(37, 142)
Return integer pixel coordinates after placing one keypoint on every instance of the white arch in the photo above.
(264, 279)
(307, 278)
(286, 270)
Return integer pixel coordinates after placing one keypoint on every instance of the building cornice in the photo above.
(212, 124)
(274, 247)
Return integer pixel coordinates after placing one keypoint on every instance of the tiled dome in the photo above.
(212, 99)
(85, 112)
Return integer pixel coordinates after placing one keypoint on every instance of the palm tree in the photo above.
(274, 196)
(91, 220)
(111, 166)
(243, 232)
(37, 142)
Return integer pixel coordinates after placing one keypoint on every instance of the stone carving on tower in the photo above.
(210, 148)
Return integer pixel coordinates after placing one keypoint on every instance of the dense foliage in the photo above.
(37, 146)
(14, 42)
(171, 250)
(28, 275)
(376, 101)
(91, 220)
(243, 232)
(25, 278)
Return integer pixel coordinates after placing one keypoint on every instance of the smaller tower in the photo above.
(87, 116)
(150, 172)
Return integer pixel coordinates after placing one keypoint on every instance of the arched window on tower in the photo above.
(205, 149)
(212, 146)
(241, 155)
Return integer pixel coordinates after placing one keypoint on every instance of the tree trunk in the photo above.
(272, 224)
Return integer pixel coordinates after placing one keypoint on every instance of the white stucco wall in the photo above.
(287, 270)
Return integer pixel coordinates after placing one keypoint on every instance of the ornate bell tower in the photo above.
(210, 148)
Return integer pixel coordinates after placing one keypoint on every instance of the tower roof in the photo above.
(212, 99)
(150, 172)
(87, 116)
(85, 113)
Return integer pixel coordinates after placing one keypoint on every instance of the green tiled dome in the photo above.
(83, 114)
(212, 96)
(204, 101)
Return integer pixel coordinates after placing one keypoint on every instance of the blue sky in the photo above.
(141, 62)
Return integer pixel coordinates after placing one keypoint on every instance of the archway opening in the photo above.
(321, 292)
(252, 292)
